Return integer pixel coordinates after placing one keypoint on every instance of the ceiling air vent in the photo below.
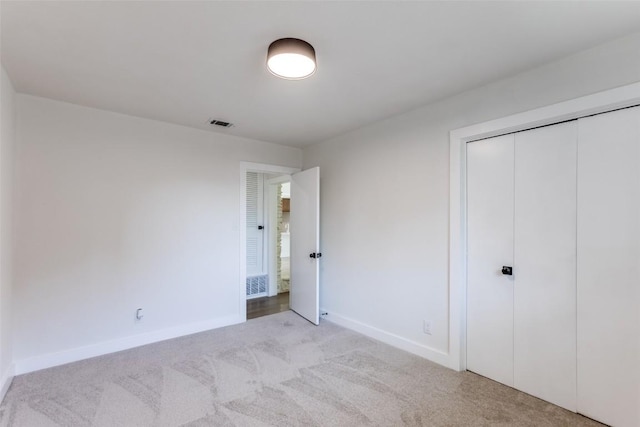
(221, 123)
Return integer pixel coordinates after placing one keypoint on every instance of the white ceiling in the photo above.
(186, 62)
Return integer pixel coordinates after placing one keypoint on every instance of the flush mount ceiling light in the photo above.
(292, 59)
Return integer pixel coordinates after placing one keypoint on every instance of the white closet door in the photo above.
(609, 267)
(490, 246)
(255, 218)
(545, 263)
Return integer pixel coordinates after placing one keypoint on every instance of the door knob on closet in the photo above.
(507, 271)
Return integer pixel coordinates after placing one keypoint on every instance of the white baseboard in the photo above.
(5, 382)
(434, 355)
(80, 353)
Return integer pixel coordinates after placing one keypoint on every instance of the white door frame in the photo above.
(244, 168)
(271, 191)
(621, 97)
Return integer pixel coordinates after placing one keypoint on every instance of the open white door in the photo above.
(304, 223)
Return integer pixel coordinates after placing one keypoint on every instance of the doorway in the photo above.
(304, 240)
(273, 243)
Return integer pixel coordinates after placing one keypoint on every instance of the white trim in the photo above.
(266, 168)
(5, 382)
(244, 168)
(600, 102)
(397, 341)
(271, 190)
(80, 353)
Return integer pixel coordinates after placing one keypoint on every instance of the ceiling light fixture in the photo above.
(292, 59)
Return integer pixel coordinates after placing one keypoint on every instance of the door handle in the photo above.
(260, 227)
(507, 271)
(315, 255)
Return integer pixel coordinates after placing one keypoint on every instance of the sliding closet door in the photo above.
(490, 246)
(545, 263)
(609, 267)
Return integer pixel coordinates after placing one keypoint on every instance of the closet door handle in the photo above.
(507, 271)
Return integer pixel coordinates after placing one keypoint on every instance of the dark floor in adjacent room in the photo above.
(258, 307)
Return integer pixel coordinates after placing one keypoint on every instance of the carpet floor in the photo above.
(276, 370)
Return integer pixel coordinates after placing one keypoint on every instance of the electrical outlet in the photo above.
(426, 327)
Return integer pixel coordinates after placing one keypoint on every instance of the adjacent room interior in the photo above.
(433, 218)
(268, 244)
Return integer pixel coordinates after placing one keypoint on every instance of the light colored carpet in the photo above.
(276, 370)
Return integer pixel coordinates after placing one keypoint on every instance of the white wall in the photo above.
(114, 213)
(385, 198)
(7, 139)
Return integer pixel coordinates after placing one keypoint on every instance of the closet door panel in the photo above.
(545, 263)
(609, 267)
(490, 246)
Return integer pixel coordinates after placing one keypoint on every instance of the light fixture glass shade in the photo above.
(292, 59)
